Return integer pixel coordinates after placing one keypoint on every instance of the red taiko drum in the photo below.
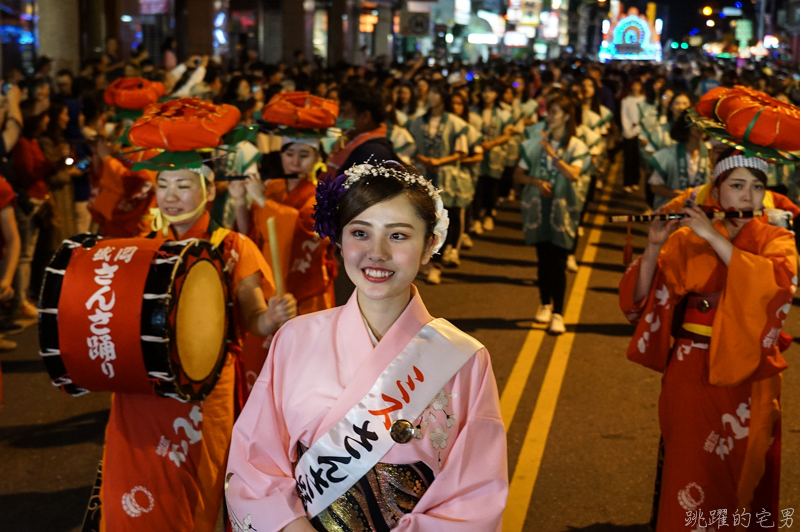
(135, 315)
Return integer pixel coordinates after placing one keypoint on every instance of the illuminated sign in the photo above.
(463, 12)
(530, 12)
(515, 38)
(550, 24)
(630, 38)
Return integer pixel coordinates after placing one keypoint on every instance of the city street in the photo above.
(581, 420)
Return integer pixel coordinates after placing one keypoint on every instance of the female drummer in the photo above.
(164, 460)
(723, 290)
(438, 465)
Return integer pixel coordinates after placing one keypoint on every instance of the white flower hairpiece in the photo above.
(356, 172)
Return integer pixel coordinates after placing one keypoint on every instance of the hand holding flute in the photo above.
(716, 215)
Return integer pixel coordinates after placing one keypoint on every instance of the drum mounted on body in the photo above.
(135, 315)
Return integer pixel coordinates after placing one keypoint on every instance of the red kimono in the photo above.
(719, 409)
(122, 199)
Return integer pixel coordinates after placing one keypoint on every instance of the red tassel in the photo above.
(627, 250)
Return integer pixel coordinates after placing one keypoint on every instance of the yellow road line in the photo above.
(530, 457)
(512, 393)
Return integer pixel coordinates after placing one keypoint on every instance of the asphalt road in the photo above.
(582, 420)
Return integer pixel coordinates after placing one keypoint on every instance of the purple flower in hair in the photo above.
(329, 192)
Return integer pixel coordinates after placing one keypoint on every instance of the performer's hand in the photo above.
(698, 222)
(256, 188)
(660, 231)
(545, 188)
(282, 309)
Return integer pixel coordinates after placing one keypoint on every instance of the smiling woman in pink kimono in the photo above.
(372, 416)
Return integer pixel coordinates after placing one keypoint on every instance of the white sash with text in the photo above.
(335, 462)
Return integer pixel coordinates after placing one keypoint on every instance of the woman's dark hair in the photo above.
(441, 88)
(595, 103)
(369, 191)
(54, 131)
(730, 152)
(659, 96)
(388, 103)
(231, 92)
(364, 98)
(567, 105)
(465, 113)
(169, 42)
(493, 85)
(680, 128)
(31, 125)
(526, 93)
(677, 93)
(413, 102)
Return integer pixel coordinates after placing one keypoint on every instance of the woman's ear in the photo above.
(427, 253)
(211, 191)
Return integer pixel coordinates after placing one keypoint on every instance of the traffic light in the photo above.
(707, 11)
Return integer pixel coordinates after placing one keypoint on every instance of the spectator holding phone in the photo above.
(62, 158)
(31, 168)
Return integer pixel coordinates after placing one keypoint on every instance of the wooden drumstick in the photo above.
(276, 256)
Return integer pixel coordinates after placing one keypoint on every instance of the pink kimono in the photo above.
(455, 478)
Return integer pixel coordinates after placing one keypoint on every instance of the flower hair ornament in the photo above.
(330, 192)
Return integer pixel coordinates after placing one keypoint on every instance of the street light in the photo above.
(710, 23)
(707, 11)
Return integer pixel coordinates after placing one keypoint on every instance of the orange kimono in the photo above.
(164, 461)
(719, 408)
(307, 261)
(121, 201)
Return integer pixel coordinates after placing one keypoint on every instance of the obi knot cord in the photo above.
(162, 221)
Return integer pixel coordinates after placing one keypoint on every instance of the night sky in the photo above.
(684, 15)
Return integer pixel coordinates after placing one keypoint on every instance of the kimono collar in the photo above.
(352, 323)
(200, 229)
(367, 362)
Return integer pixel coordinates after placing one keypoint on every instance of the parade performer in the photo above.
(366, 138)
(398, 135)
(598, 118)
(723, 291)
(496, 134)
(551, 168)
(685, 164)
(164, 459)
(441, 139)
(307, 264)
(401, 427)
(459, 106)
(307, 261)
(121, 198)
